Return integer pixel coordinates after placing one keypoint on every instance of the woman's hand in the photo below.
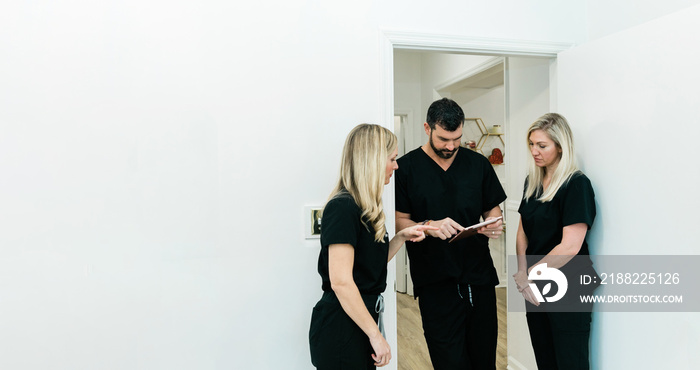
(493, 230)
(523, 284)
(529, 296)
(521, 280)
(382, 351)
(415, 233)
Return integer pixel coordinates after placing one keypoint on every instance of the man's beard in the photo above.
(444, 154)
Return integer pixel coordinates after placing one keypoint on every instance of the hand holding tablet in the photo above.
(474, 229)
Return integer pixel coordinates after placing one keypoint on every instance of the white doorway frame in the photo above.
(391, 40)
(401, 258)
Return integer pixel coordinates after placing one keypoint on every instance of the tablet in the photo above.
(473, 229)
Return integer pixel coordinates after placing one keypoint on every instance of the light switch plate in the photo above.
(312, 222)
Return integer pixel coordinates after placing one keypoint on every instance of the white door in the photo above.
(527, 83)
(527, 97)
(403, 278)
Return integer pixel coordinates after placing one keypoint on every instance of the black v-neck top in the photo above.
(342, 224)
(544, 222)
(463, 192)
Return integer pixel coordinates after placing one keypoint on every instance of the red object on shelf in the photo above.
(496, 156)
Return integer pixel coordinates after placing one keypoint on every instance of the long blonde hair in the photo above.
(557, 129)
(362, 172)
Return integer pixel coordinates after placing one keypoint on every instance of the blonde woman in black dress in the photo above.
(355, 249)
(557, 210)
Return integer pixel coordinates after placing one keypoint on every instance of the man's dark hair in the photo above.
(446, 113)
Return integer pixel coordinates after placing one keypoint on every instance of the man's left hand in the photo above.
(493, 230)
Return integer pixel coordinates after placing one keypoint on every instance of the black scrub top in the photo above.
(543, 222)
(341, 224)
(463, 193)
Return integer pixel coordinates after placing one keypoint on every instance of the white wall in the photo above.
(407, 95)
(156, 157)
(439, 69)
(490, 107)
(632, 101)
(605, 17)
(416, 75)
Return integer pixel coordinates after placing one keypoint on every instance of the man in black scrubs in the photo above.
(451, 188)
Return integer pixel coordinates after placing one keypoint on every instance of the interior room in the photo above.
(477, 84)
(159, 160)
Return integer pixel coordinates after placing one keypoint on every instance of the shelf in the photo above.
(482, 140)
(485, 135)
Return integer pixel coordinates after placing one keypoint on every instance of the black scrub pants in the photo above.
(560, 339)
(460, 325)
(336, 342)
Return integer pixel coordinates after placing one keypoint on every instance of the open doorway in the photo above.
(476, 83)
(499, 90)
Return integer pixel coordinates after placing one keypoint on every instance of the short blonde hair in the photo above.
(557, 129)
(362, 172)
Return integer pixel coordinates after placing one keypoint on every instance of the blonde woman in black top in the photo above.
(557, 210)
(355, 249)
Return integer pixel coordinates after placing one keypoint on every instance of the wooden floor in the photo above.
(413, 352)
